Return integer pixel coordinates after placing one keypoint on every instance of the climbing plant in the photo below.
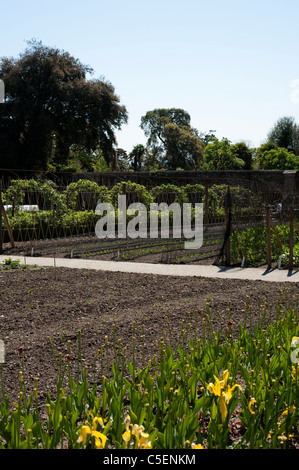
(72, 191)
(180, 195)
(142, 194)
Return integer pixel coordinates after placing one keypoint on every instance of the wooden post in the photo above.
(268, 227)
(10, 234)
(227, 245)
(291, 241)
(276, 234)
(1, 233)
(206, 216)
(296, 226)
(227, 208)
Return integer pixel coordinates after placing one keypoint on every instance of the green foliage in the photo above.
(272, 157)
(137, 156)
(15, 194)
(85, 186)
(171, 139)
(285, 134)
(179, 192)
(83, 160)
(67, 213)
(175, 396)
(143, 195)
(242, 152)
(50, 107)
(252, 243)
(11, 264)
(220, 155)
(184, 149)
(101, 166)
(194, 188)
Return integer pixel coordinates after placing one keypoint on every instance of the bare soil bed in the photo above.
(139, 250)
(37, 303)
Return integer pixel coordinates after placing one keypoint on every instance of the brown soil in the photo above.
(57, 303)
(139, 250)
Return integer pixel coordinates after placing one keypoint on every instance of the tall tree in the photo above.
(242, 152)
(51, 105)
(136, 156)
(183, 148)
(171, 139)
(220, 155)
(285, 133)
(272, 157)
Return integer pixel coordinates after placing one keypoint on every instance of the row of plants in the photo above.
(132, 251)
(62, 199)
(65, 211)
(51, 224)
(235, 388)
(251, 243)
(196, 256)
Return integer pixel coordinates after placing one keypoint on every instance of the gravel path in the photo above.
(253, 274)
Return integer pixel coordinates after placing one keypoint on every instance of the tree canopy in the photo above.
(171, 139)
(272, 157)
(285, 133)
(242, 152)
(136, 156)
(221, 155)
(51, 106)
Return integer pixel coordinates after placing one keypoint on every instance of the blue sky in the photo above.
(230, 64)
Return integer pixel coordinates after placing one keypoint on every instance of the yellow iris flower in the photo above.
(193, 445)
(290, 409)
(223, 409)
(228, 393)
(196, 446)
(141, 437)
(250, 405)
(221, 389)
(99, 438)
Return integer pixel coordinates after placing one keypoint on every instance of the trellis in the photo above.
(227, 208)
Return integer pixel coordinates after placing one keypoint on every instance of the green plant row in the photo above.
(62, 217)
(252, 244)
(61, 200)
(231, 389)
(49, 224)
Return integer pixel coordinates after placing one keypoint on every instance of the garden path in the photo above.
(262, 274)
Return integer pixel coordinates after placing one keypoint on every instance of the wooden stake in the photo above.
(268, 228)
(1, 233)
(10, 234)
(296, 225)
(206, 215)
(227, 228)
(291, 242)
(275, 233)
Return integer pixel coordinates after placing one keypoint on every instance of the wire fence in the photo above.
(250, 222)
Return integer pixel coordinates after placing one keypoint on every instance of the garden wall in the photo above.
(284, 181)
